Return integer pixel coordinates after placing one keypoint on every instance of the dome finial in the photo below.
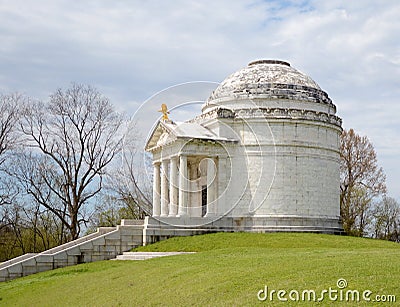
(269, 62)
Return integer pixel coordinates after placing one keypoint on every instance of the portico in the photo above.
(186, 171)
(189, 187)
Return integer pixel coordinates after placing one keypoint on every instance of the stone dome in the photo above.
(267, 79)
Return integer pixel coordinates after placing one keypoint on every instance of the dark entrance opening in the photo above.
(80, 259)
(203, 200)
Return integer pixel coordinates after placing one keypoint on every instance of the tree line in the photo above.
(59, 179)
(55, 166)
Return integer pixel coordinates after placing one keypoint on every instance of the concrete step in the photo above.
(147, 255)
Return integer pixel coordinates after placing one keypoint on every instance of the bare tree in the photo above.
(361, 180)
(9, 114)
(29, 227)
(34, 175)
(8, 194)
(76, 134)
(127, 190)
(131, 186)
(130, 181)
(111, 209)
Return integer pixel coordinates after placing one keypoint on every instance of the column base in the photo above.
(173, 210)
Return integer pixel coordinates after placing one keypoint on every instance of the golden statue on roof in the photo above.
(164, 111)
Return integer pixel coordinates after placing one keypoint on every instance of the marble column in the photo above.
(164, 188)
(156, 189)
(183, 174)
(173, 187)
(223, 178)
(211, 186)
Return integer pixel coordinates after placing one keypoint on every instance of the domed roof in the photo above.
(271, 79)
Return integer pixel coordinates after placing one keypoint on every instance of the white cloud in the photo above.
(132, 49)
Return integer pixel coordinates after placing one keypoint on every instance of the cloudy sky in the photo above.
(131, 50)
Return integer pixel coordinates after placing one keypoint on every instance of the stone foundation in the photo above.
(160, 229)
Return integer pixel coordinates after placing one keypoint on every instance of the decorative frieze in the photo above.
(271, 113)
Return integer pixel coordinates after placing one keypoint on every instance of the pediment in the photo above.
(167, 132)
(161, 135)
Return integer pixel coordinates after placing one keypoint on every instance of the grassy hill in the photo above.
(228, 270)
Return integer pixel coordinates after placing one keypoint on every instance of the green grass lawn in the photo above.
(228, 270)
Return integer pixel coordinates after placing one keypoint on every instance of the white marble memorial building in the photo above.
(262, 156)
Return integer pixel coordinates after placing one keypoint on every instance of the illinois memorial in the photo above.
(262, 156)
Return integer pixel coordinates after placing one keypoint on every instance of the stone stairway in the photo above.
(105, 244)
(147, 255)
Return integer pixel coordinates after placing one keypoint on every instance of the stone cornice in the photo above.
(271, 113)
